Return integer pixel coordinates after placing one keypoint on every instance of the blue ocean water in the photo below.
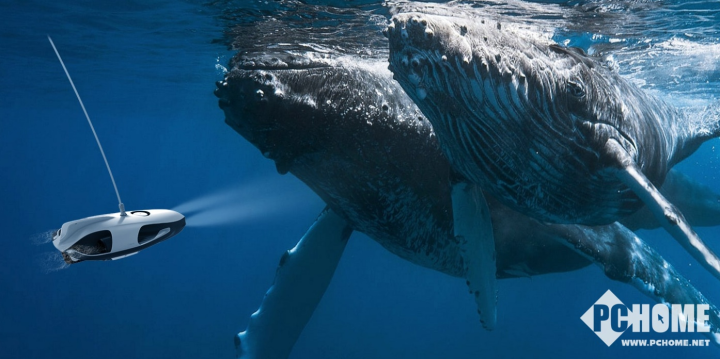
(146, 69)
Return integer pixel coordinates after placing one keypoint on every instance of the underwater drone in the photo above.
(115, 235)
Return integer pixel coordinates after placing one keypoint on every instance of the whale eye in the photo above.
(575, 89)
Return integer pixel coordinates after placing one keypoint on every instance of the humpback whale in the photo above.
(349, 132)
(546, 130)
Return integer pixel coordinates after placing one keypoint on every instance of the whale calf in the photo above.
(547, 130)
(348, 131)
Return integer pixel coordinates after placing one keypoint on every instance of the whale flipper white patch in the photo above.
(300, 282)
(669, 217)
(474, 232)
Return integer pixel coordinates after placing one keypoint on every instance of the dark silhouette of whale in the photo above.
(348, 131)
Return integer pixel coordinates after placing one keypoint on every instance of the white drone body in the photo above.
(115, 236)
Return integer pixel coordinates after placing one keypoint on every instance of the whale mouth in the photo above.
(429, 54)
(414, 52)
(279, 61)
(409, 67)
(252, 101)
(264, 96)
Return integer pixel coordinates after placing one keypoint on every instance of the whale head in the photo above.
(296, 107)
(524, 117)
(506, 75)
(266, 96)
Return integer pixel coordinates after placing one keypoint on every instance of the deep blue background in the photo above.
(146, 72)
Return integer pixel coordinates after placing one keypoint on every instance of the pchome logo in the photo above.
(609, 318)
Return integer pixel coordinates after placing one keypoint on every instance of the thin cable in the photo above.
(120, 204)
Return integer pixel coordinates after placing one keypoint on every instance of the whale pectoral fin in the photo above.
(300, 282)
(698, 203)
(473, 231)
(669, 217)
(626, 258)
